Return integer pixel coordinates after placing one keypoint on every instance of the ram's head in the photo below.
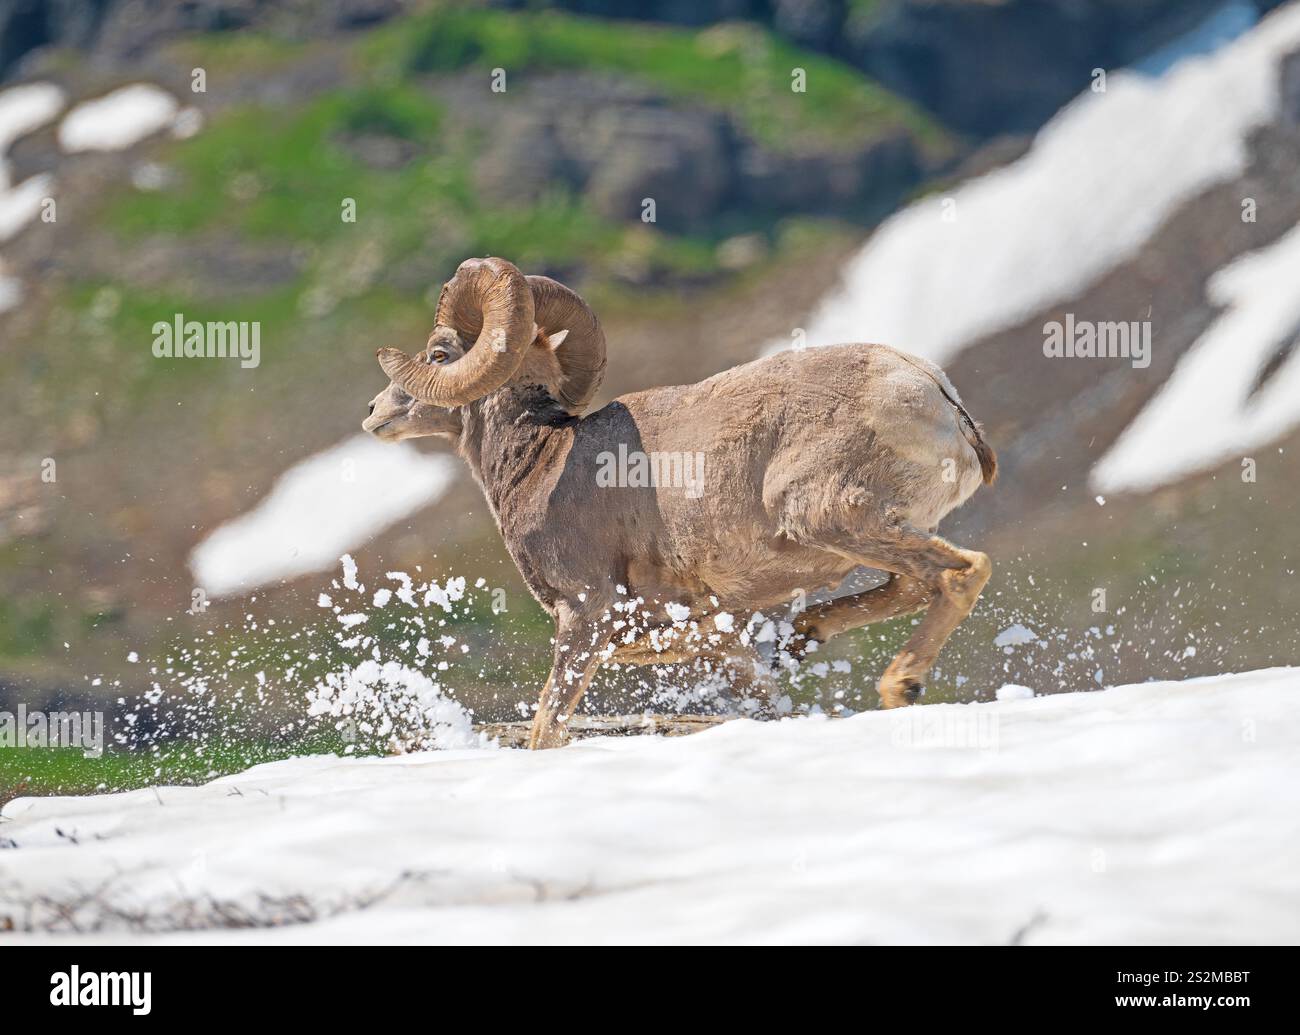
(494, 327)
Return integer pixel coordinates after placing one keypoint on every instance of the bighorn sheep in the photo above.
(815, 463)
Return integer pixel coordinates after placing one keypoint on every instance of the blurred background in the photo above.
(719, 179)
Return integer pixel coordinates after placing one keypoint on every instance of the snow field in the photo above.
(1162, 812)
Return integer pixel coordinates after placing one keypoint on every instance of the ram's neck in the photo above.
(509, 439)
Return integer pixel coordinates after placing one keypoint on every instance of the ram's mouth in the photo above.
(375, 425)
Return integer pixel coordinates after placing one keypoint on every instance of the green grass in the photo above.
(35, 623)
(740, 68)
(27, 627)
(272, 172)
(863, 9)
(42, 771)
(281, 175)
(238, 720)
(225, 55)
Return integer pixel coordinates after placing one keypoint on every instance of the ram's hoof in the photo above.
(898, 693)
(555, 736)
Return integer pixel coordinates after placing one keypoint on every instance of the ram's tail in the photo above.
(988, 458)
(973, 432)
(975, 436)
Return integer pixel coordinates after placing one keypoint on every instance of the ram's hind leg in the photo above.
(901, 595)
(951, 577)
(955, 578)
(746, 671)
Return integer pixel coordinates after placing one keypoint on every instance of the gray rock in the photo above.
(816, 182)
(682, 159)
(120, 30)
(522, 159)
(618, 143)
(1290, 90)
(379, 150)
(34, 153)
(678, 12)
(987, 68)
(813, 23)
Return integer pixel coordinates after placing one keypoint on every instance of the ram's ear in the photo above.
(557, 339)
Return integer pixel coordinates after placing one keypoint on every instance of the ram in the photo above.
(796, 469)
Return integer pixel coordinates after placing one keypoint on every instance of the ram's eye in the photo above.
(439, 356)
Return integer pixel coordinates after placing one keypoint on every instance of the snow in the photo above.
(110, 123)
(26, 108)
(349, 572)
(22, 109)
(1205, 412)
(368, 696)
(1014, 636)
(1163, 812)
(1101, 176)
(333, 501)
(119, 119)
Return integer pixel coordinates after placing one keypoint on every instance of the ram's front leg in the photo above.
(578, 648)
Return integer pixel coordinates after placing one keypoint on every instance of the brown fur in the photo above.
(816, 463)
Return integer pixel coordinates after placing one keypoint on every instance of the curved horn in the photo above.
(582, 356)
(487, 300)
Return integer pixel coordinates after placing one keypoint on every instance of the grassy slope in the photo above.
(149, 450)
(738, 68)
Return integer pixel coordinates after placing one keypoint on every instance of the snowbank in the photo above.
(1207, 411)
(119, 119)
(113, 122)
(26, 108)
(1166, 812)
(22, 109)
(1101, 177)
(318, 509)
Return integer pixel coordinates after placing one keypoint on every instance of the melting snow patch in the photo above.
(26, 108)
(1014, 692)
(1212, 407)
(119, 119)
(1103, 174)
(331, 502)
(20, 205)
(22, 110)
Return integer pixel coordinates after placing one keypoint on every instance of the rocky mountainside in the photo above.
(982, 68)
(228, 208)
(225, 203)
